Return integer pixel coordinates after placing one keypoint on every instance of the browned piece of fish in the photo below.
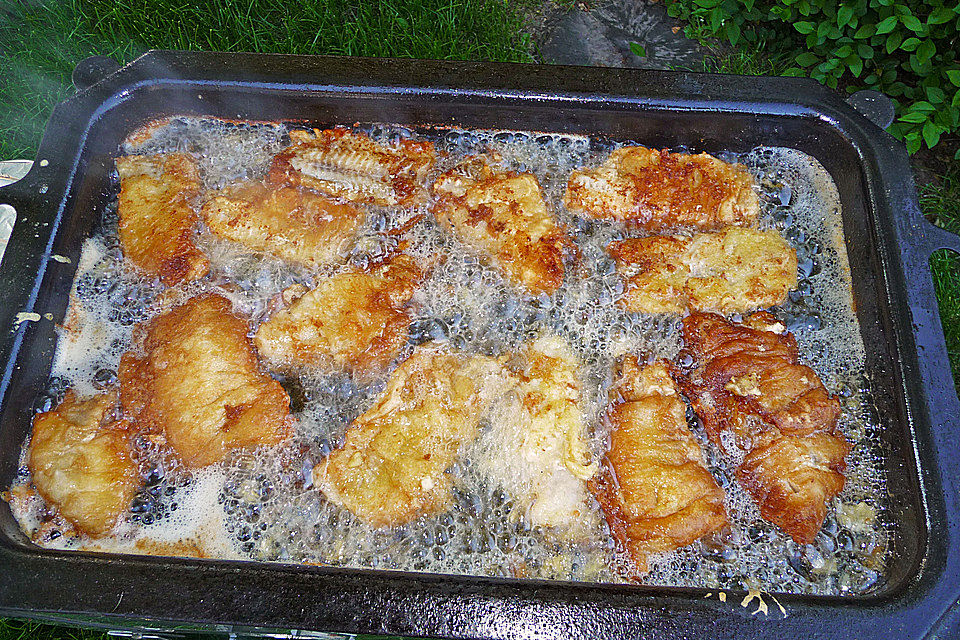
(654, 487)
(353, 167)
(288, 222)
(392, 466)
(355, 320)
(156, 219)
(657, 190)
(503, 215)
(729, 271)
(193, 377)
(81, 464)
(757, 401)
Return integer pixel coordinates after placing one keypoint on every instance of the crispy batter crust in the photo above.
(353, 167)
(504, 215)
(200, 385)
(156, 219)
(654, 487)
(287, 222)
(391, 467)
(355, 321)
(733, 270)
(656, 190)
(747, 382)
(80, 462)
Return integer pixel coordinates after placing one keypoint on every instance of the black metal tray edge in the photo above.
(423, 604)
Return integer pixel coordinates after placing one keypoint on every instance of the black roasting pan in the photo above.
(888, 242)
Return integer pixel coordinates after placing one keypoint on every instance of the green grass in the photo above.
(941, 203)
(50, 36)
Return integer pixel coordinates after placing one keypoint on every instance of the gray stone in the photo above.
(601, 36)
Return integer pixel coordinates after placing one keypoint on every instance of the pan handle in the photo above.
(22, 265)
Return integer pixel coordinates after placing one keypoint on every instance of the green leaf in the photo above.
(922, 105)
(931, 134)
(887, 25)
(865, 31)
(913, 23)
(823, 29)
(733, 32)
(941, 15)
(926, 50)
(804, 27)
(936, 95)
(913, 141)
(707, 4)
(855, 64)
(914, 117)
(893, 41)
(844, 13)
(843, 51)
(910, 44)
(806, 59)
(637, 49)
(794, 72)
(749, 4)
(716, 19)
(865, 51)
(954, 76)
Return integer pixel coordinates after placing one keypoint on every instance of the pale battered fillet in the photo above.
(288, 222)
(535, 449)
(354, 321)
(193, 377)
(391, 467)
(80, 462)
(655, 490)
(156, 219)
(733, 270)
(504, 215)
(353, 167)
(656, 190)
(756, 400)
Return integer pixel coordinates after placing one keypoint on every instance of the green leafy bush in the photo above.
(908, 50)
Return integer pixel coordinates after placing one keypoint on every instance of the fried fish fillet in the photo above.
(656, 190)
(535, 449)
(733, 270)
(353, 167)
(80, 462)
(156, 219)
(655, 490)
(288, 222)
(504, 215)
(391, 467)
(355, 321)
(194, 377)
(758, 402)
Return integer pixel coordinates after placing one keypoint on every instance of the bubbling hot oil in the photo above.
(263, 507)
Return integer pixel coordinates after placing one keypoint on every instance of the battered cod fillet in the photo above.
(353, 167)
(733, 270)
(353, 321)
(156, 220)
(504, 215)
(199, 384)
(655, 490)
(656, 190)
(391, 467)
(758, 402)
(80, 462)
(535, 449)
(288, 222)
